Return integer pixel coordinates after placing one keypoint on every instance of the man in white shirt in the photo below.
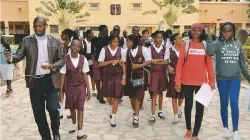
(44, 58)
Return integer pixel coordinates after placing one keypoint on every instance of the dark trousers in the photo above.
(42, 91)
(9, 85)
(189, 95)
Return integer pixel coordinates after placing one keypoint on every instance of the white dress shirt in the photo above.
(125, 43)
(75, 62)
(102, 54)
(42, 43)
(88, 47)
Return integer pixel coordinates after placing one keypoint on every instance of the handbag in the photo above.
(136, 82)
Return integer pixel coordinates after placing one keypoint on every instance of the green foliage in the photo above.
(63, 12)
(11, 40)
(172, 9)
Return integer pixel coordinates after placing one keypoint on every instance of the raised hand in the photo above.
(7, 54)
(211, 28)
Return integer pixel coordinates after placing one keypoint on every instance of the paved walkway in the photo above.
(17, 122)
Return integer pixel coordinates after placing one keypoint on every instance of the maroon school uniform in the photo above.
(112, 76)
(75, 87)
(158, 76)
(136, 93)
(171, 92)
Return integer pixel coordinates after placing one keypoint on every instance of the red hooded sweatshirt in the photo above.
(196, 68)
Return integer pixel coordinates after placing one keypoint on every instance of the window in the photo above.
(176, 28)
(2, 28)
(248, 28)
(136, 5)
(94, 5)
(94, 28)
(187, 28)
(54, 29)
(82, 28)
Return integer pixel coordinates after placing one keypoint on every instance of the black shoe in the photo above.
(82, 137)
(135, 123)
(113, 125)
(102, 101)
(61, 117)
(57, 137)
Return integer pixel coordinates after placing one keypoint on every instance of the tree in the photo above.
(63, 13)
(172, 9)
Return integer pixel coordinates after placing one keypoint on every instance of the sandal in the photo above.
(152, 120)
(136, 123)
(161, 115)
(188, 135)
(82, 137)
(9, 92)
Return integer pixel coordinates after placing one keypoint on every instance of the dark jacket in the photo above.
(29, 49)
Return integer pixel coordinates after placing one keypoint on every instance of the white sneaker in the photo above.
(236, 136)
(226, 133)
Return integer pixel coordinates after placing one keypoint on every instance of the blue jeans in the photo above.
(229, 89)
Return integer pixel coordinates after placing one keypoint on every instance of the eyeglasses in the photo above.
(196, 30)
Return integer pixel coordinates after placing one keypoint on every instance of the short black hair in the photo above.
(203, 36)
(229, 24)
(40, 18)
(70, 33)
(144, 31)
(88, 32)
(116, 26)
(102, 27)
(169, 32)
(113, 36)
(184, 34)
(164, 34)
(134, 27)
(158, 32)
(135, 40)
(173, 38)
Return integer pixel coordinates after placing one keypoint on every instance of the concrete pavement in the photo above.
(17, 121)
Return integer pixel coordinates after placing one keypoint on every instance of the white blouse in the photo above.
(102, 54)
(75, 62)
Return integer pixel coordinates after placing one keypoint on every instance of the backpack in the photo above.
(187, 46)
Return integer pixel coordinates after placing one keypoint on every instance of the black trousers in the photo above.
(42, 91)
(189, 95)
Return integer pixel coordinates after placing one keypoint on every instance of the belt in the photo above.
(41, 76)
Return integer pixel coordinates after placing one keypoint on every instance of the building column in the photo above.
(217, 28)
(243, 26)
(6, 24)
(181, 29)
